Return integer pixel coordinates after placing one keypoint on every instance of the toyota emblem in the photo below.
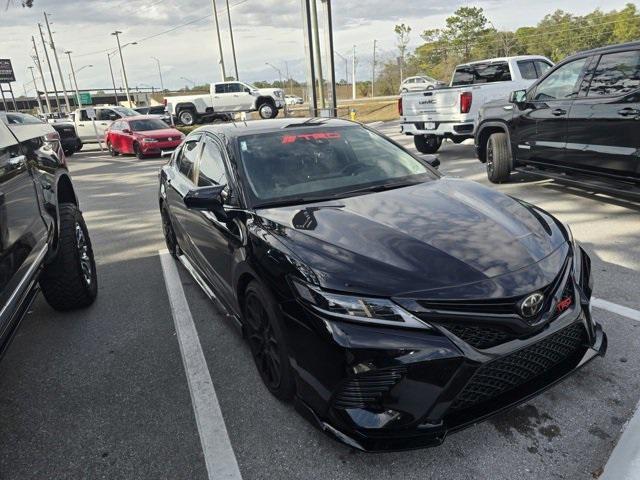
(531, 305)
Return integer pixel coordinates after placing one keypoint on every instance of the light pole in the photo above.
(35, 85)
(124, 72)
(286, 109)
(55, 56)
(160, 73)
(113, 80)
(346, 67)
(233, 44)
(36, 60)
(215, 18)
(53, 79)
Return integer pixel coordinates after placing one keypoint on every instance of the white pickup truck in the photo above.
(224, 98)
(104, 117)
(451, 112)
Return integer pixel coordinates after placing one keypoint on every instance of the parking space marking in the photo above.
(218, 453)
(617, 309)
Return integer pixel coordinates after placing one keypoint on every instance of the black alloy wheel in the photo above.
(267, 342)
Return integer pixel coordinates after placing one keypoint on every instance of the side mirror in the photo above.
(247, 90)
(209, 199)
(518, 97)
(434, 162)
(127, 131)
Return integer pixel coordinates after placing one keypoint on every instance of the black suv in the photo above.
(581, 122)
(44, 242)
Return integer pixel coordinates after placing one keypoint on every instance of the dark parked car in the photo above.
(581, 119)
(394, 305)
(44, 242)
(69, 139)
(52, 137)
(159, 110)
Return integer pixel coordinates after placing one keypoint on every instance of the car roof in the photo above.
(504, 59)
(140, 117)
(607, 49)
(240, 128)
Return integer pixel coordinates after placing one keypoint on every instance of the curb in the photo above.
(624, 462)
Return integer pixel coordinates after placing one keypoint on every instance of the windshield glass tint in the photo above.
(481, 73)
(315, 162)
(126, 112)
(147, 124)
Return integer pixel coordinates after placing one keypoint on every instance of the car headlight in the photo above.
(379, 311)
(149, 140)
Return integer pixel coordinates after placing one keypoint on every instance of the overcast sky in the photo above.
(264, 30)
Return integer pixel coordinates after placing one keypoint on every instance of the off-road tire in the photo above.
(187, 117)
(63, 281)
(498, 157)
(284, 388)
(427, 143)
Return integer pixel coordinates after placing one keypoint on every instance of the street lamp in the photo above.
(278, 70)
(124, 71)
(113, 80)
(346, 67)
(160, 73)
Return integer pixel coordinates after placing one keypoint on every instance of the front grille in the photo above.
(366, 389)
(504, 306)
(512, 371)
(480, 336)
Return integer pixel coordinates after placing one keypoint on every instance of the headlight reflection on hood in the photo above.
(380, 311)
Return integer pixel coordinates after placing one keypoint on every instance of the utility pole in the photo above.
(55, 55)
(233, 45)
(215, 18)
(53, 79)
(286, 66)
(35, 85)
(316, 51)
(75, 81)
(160, 73)
(36, 59)
(124, 72)
(353, 74)
(113, 80)
(373, 70)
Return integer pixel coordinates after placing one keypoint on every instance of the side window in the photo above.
(212, 171)
(234, 88)
(221, 88)
(562, 83)
(105, 114)
(83, 116)
(187, 159)
(527, 70)
(116, 126)
(616, 74)
(542, 67)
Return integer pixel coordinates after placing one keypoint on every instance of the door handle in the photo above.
(628, 112)
(558, 112)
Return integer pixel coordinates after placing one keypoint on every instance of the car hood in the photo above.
(420, 241)
(273, 92)
(162, 133)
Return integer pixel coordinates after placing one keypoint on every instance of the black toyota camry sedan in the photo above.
(391, 304)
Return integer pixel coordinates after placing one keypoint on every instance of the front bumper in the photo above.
(380, 389)
(149, 148)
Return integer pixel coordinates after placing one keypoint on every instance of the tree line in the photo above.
(469, 35)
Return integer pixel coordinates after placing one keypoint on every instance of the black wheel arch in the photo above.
(265, 99)
(64, 192)
(485, 130)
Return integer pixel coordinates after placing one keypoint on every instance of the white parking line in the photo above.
(617, 309)
(218, 452)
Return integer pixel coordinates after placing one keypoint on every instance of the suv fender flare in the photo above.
(483, 133)
(63, 192)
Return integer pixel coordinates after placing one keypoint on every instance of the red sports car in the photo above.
(141, 136)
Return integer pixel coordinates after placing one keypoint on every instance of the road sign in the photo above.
(85, 98)
(6, 71)
(91, 113)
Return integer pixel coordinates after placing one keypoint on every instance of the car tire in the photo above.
(169, 233)
(265, 335)
(80, 145)
(266, 110)
(498, 158)
(68, 153)
(112, 150)
(70, 280)
(137, 151)
(427, 143)
(187, 117)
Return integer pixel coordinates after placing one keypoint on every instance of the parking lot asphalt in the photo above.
(102, 393)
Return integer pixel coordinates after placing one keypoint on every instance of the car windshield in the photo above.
(307, 164)
(21, 119)
(147, 124)
(126, 112)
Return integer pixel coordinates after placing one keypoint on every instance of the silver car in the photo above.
(419, 83)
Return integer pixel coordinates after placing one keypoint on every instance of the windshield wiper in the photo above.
(286, 202)
(379, 188)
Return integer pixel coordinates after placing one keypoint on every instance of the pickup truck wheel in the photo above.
(498, 158)
(427, 143)
(187, 117)
(70, 280)
(266, 110)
